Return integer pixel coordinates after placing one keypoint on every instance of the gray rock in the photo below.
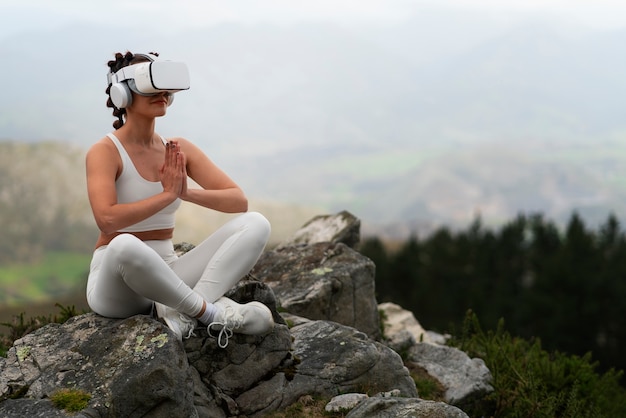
(400, 321)
(131, 367)
(344, 402)
(400, 341)
(342, 227)
(324, 281)
(228, 374)
(340, 359)
(404, 407)
(330, 359)
(20, 408)
(463, 377)
(135, 366)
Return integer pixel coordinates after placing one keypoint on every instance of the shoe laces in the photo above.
(230, 321)
(188, 326)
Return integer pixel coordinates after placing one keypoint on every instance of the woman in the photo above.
(136, 180)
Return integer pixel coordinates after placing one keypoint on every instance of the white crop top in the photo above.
(131, 187)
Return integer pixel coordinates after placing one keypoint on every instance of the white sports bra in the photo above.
(131, 187)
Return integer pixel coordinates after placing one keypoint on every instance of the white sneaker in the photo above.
(252, 318)
(181, 324)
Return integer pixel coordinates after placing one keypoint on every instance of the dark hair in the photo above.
(120, 61)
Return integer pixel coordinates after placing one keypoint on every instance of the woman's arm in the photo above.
(217, 191)
(102, 165)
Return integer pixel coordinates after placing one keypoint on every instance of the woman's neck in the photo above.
(138, 132)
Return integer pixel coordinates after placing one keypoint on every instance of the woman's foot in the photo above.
(181, 324)
(252, 318)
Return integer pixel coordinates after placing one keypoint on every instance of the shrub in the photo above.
(19, 326)
(529, 381)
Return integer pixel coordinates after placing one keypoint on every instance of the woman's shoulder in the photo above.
(104, 146)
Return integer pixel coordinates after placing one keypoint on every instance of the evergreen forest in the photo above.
(565, 286)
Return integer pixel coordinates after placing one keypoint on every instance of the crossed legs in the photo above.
(128, 275)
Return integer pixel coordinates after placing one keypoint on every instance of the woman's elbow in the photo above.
(105, 225)
(240, 201)
(243, 204)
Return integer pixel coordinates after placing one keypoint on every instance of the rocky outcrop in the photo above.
(109, 359)
(325, 281)
(343, 227)
(331, 359)
(327, 344)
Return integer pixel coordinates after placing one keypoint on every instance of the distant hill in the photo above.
(42, 187)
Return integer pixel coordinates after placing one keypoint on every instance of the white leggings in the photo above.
(128, 275)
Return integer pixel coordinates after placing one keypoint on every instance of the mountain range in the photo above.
(435, 121)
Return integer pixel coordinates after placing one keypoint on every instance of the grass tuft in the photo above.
(70, 400)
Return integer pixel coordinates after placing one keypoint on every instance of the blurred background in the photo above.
(412, 115)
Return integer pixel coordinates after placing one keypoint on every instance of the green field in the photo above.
(56, 275)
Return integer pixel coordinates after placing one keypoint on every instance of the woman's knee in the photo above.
(123, 241)
(126, 247)
(259, 223)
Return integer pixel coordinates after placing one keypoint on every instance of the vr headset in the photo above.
(147, 79)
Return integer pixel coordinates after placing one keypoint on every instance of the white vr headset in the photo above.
(147, 79)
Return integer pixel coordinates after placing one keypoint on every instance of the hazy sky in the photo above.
(244, 123)
(16, 16)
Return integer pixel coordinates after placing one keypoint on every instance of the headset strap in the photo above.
(125, 73)
(122, 74)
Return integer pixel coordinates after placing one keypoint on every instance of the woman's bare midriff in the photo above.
(158, 234)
